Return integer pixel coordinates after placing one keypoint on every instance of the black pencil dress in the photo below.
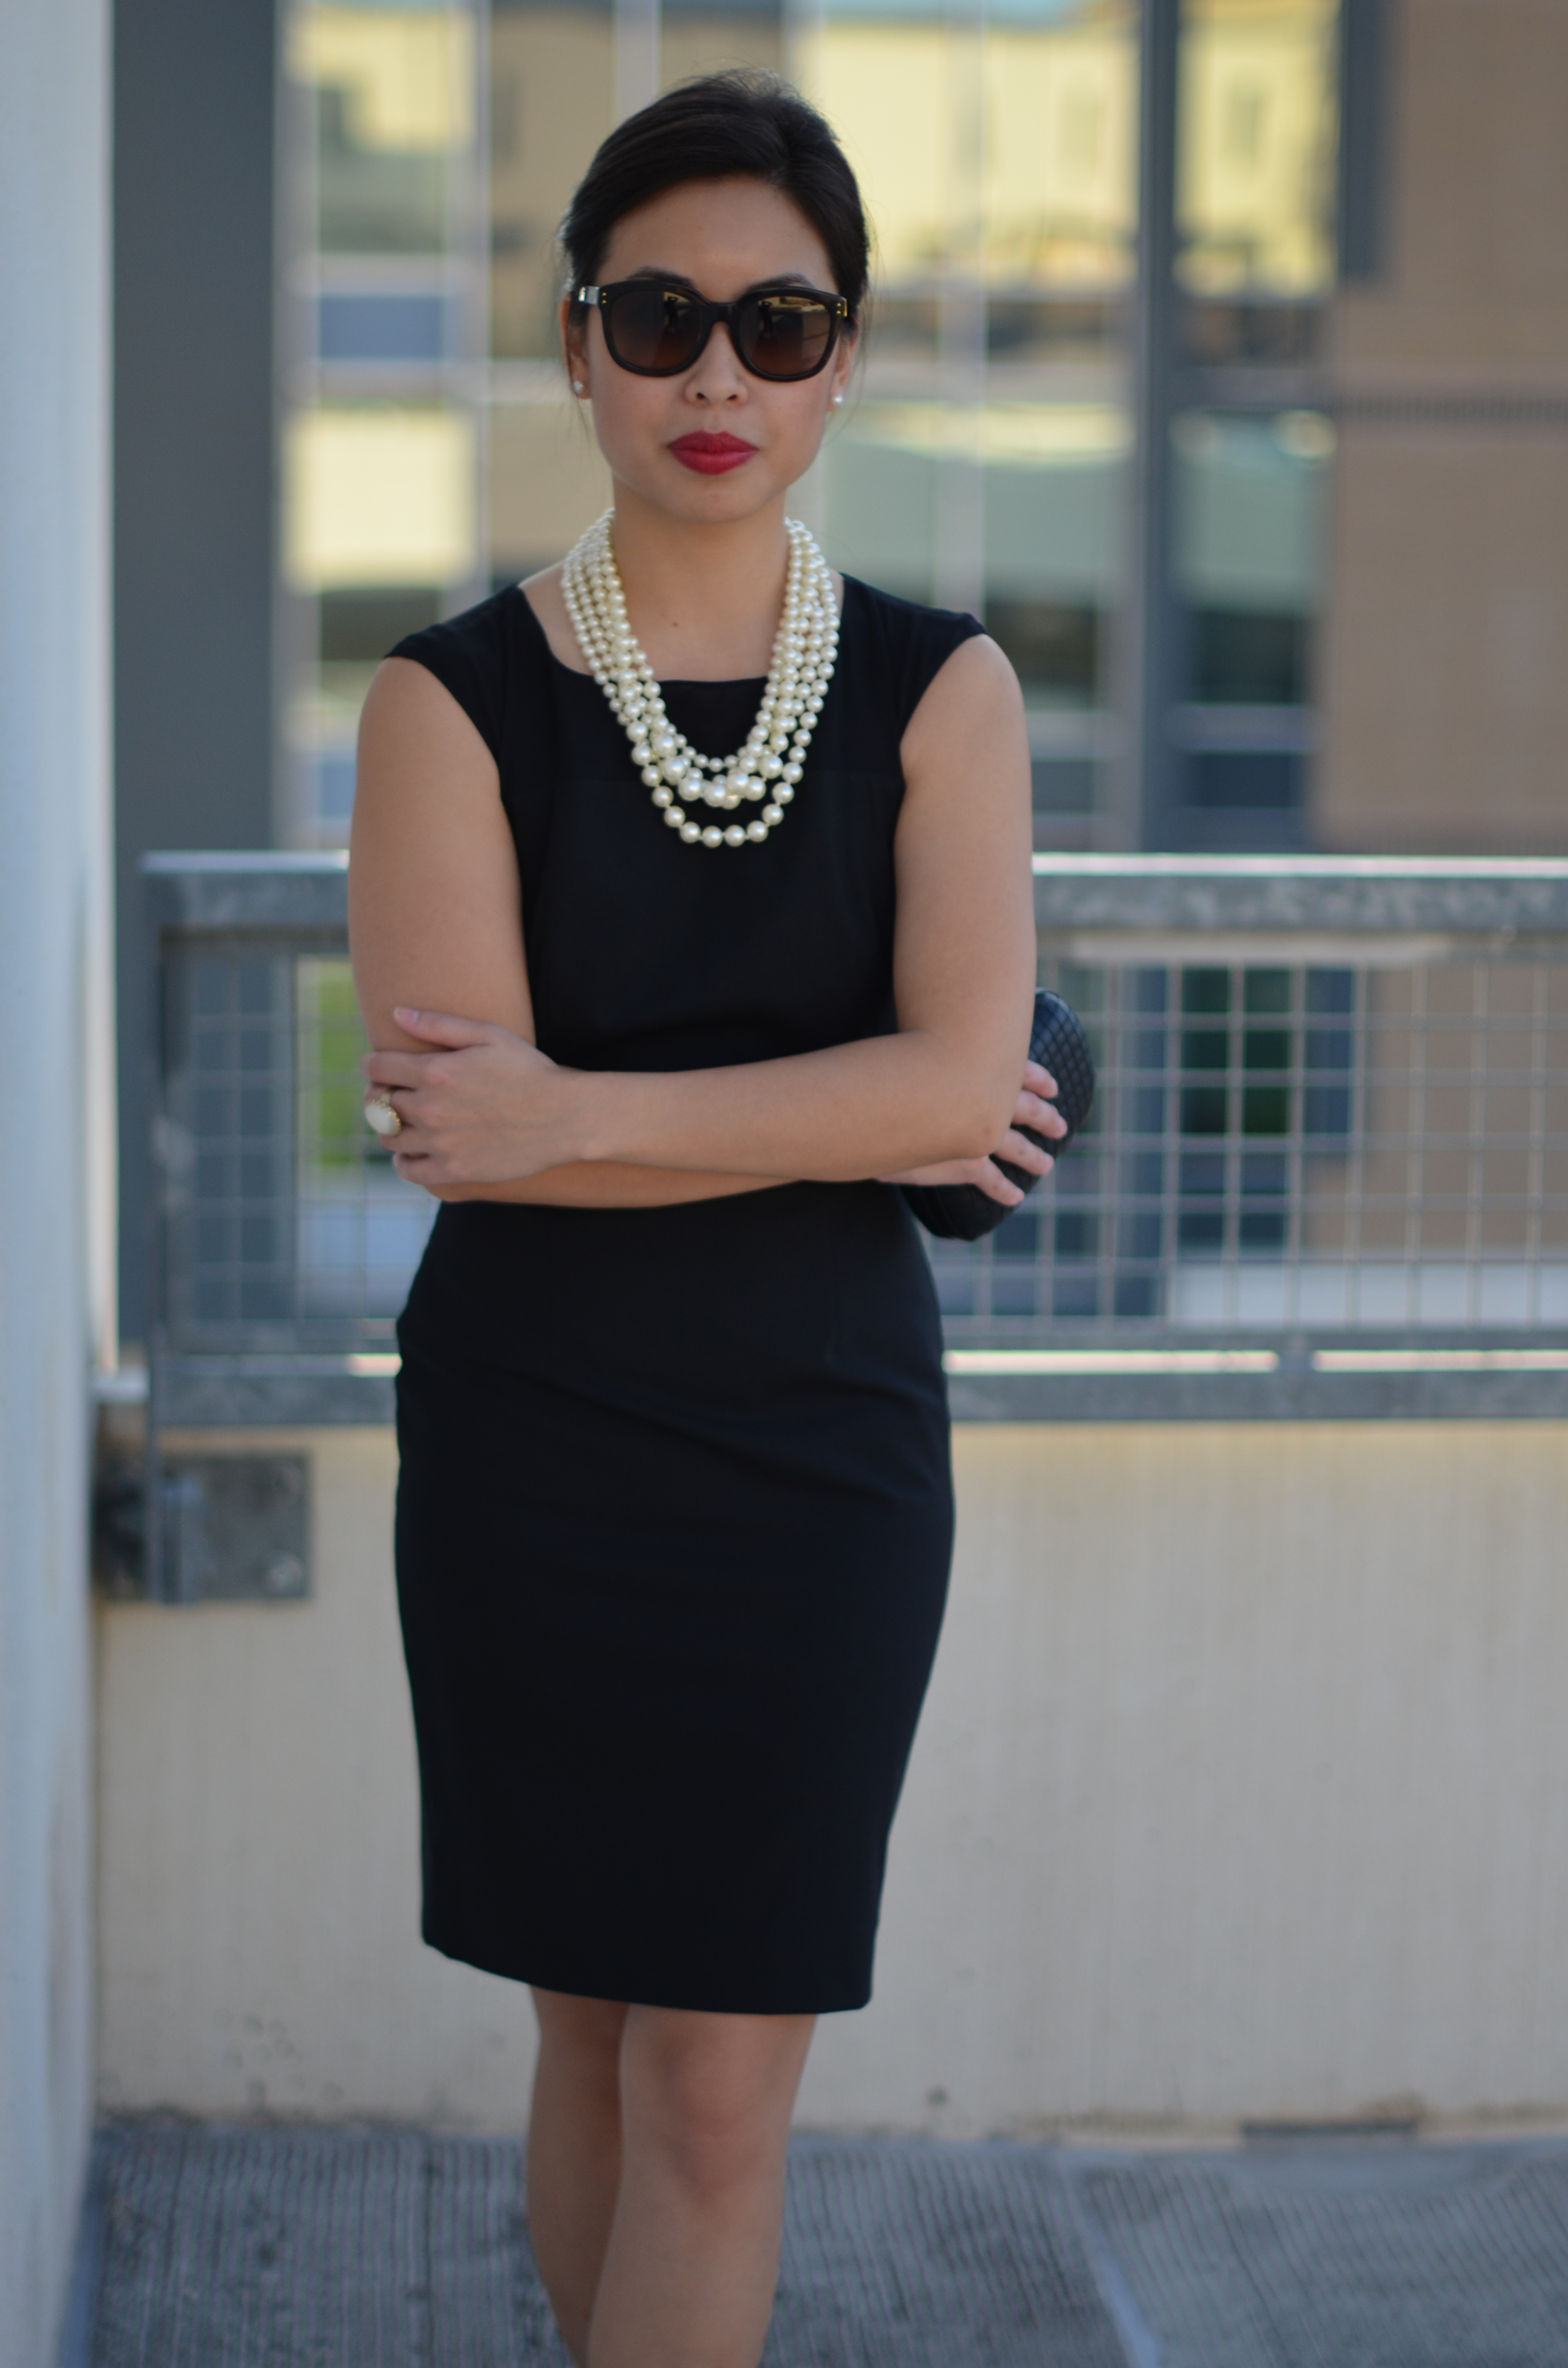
(674, 1512)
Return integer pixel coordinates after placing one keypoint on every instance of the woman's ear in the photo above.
(574, 347)
(844, 366)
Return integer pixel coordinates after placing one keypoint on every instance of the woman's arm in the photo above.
(491, 1108)
(435, 913)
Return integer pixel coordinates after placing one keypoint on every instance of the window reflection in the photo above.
(1257, 132)
(985, 464)
(1250, 503)
(394, 102)
(704, 36)
(383, 440)
(552, 101)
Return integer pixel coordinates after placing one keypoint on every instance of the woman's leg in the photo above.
(692, 2262)
(575, 2152)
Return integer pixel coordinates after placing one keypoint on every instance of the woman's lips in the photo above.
(711, 454)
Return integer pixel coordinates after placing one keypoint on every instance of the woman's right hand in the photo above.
(1035, 1107)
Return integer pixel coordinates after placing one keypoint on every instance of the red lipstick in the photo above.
(711, 456)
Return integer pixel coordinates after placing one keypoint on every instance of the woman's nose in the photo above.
(716, 373)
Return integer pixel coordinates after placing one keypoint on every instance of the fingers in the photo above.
(1024, 1154)
(444, 1028)
(1044, 1116)
(1040, 1080)
(994, 1184)
(415, 1171)
(405, 1068)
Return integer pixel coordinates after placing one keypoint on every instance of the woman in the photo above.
(675, 1514)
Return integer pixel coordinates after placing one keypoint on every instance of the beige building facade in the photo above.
(1445, 660)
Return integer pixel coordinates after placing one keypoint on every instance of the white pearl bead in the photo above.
(756, 831)
(782, 797)
(712, 837)
(691, 833)
(791, 773)
(661, 796)
(673, 817)
(651, 776)
(734, 836)
(771, 814)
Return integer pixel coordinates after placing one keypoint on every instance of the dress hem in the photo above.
(573, 1984)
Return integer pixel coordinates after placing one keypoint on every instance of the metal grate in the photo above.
(285, 1224)
(1330, 1149)
(1279, 1147)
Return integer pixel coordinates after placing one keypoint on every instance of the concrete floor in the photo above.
(295, 2248)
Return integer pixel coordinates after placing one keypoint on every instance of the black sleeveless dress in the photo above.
(674, 1512)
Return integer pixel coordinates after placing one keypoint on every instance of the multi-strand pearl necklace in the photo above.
(770, 763)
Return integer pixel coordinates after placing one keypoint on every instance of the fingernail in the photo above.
(402, 1012)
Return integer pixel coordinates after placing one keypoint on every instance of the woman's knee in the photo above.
(710, 2095)
(580, 2036)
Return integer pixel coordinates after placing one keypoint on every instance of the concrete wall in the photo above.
(56, 1170)
(1242, 1792)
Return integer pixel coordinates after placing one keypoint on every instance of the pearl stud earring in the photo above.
(836, 400)
(576, 386)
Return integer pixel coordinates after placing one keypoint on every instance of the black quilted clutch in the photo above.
(962, 1212)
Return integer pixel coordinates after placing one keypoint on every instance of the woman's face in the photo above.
(715, 443)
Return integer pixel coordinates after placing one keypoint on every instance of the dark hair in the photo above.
(743, 124)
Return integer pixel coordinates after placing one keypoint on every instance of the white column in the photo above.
(56, 1158)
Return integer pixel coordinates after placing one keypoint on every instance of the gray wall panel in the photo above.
(194, 474)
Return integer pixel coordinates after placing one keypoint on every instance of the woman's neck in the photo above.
(704, 601)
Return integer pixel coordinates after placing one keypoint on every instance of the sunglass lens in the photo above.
(785, 337)
(653, 329)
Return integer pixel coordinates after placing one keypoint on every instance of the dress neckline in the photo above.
(668, 682)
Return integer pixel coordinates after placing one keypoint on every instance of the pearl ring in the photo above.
(381, 1118)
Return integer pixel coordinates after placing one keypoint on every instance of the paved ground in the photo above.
(246, 2247)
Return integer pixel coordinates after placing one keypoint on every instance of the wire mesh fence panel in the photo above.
(361, 1229)
(1282, 1145)
(284, 1225)
(1277, 1146)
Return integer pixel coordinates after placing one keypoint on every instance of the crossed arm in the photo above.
(437, 939)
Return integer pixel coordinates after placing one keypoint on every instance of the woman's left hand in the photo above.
(1035, 1107)
(483, 1106)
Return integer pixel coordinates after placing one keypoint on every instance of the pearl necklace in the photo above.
(772, 761)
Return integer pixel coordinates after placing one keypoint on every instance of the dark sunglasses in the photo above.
(777, 333)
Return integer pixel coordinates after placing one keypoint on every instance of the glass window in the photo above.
(384, 432)
(552, 101)
(1257, 154)
(1206, 667)
(983, 464)
(394, 91)
(378, 496)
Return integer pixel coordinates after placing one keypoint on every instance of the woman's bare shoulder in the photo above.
(433, 901)
(970, 715)
(413, 731)
(544, 595)
(974, 676)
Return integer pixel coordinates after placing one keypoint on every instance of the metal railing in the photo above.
(1326, 1172)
